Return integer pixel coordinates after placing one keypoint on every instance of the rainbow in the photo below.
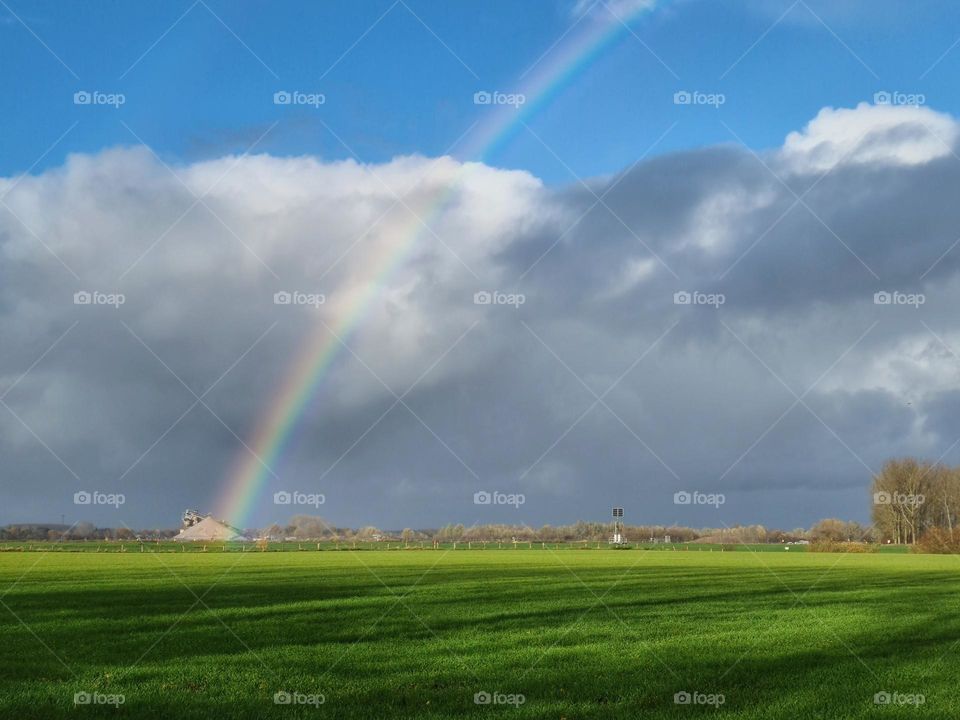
(254, 465)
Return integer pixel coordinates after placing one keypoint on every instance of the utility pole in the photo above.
(617, 526)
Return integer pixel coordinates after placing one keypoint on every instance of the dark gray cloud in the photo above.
(599, 389)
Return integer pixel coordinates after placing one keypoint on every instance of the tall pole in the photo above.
(618, 526)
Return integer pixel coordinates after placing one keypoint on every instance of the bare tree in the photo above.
(911, 496)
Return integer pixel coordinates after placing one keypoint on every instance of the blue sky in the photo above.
(198, 78)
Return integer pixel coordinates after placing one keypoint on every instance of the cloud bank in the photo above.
(706, 320)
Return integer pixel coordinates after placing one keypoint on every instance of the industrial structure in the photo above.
(204, 528)
(618, 534)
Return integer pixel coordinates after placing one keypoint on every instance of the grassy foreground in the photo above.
(577, 634)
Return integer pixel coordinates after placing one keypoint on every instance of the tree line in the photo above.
(913, 501)
(309, 527)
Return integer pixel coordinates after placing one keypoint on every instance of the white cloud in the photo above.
(917, 366)
(634, 272)
(886, 134)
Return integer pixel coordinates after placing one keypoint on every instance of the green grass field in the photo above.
(579, 634)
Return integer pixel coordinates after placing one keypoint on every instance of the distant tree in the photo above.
(450, 533)
(830, 529)
(367, 533)
(858, 533)
(943, 503)
(308, 526)
(900, 492)
(939, 540)
(83, 531)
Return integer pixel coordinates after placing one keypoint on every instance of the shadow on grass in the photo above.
(736, 630)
